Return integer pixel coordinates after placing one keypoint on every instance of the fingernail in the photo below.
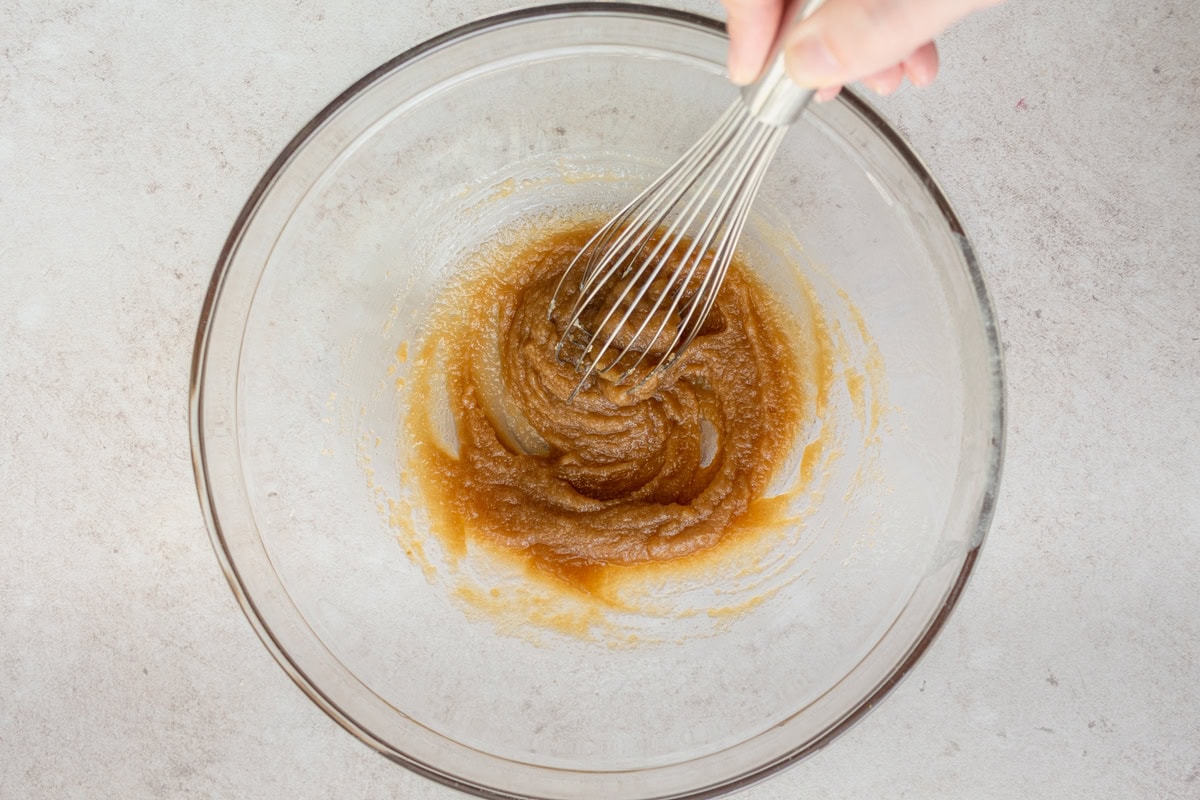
(740, 72)
(739, 75)
(920, 76)
(810, 63)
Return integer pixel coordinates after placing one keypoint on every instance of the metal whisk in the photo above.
(651, 275)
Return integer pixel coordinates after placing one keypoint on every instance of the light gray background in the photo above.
(1067, 135)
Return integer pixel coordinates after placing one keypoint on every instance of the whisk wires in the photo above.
(649, 278)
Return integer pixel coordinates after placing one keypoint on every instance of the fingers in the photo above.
(846, 40)
(885, 81)
(920, 68)
(752, 26)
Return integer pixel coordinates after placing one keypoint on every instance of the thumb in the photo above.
(752, 26)
(845, 40)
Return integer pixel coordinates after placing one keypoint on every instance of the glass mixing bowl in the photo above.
(298, 406)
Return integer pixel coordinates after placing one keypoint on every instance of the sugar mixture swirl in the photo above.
(614, 477)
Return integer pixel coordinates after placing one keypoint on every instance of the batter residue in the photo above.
(612, 478)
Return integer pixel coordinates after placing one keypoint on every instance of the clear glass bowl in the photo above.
(297, 426)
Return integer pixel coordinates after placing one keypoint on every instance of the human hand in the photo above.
(878, 42)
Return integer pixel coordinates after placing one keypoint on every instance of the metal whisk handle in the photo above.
(775, 98)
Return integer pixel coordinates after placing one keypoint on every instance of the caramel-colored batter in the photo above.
(613, 478)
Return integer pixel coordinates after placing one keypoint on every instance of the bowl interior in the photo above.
(300, 403)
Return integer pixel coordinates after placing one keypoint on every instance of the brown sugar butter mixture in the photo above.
(614, 477)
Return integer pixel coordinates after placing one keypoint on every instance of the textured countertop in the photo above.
(1066, 134)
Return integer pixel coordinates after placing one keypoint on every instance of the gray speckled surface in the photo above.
(1068, 137)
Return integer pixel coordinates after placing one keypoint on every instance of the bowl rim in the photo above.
(998, 393)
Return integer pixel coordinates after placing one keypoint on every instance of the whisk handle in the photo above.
(775, 98)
